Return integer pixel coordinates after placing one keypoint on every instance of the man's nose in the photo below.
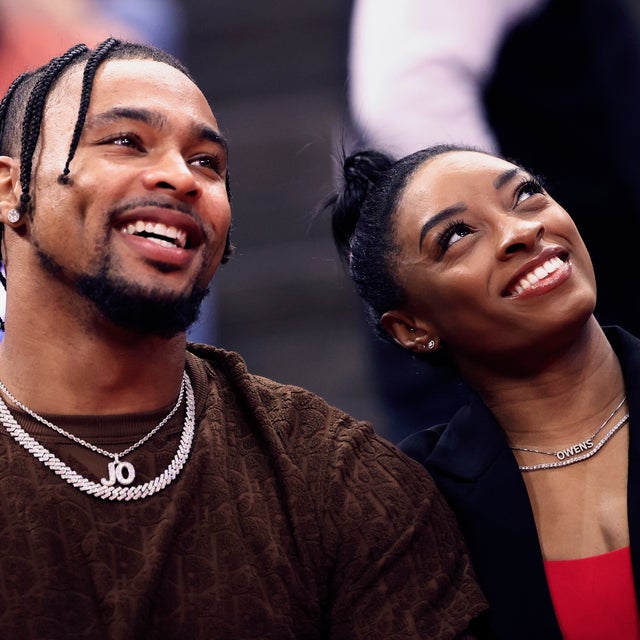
(171, 172)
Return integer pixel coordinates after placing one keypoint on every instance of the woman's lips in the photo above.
(535, 275)
(543, 275)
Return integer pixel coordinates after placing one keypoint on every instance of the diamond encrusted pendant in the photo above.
(121, 472)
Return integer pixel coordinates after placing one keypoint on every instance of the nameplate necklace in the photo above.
(118, 482)
(580, 450)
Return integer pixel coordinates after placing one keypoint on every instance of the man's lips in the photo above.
(546, 271)
(162, 226)
(157, 232)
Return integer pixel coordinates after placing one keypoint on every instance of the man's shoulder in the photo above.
(296, 423)
(215, 357)
(288, 410)
(228, 368)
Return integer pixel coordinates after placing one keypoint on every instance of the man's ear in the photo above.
(9, 187)
(408, 333)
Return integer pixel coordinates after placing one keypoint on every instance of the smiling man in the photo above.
(154, 489)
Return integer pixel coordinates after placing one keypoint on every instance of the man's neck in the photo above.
(90, 373)
(60, 355)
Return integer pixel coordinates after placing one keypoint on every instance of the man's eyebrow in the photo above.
(440, 217)
(505, 177)
(154, 119)
(127, 113)
(205, 132)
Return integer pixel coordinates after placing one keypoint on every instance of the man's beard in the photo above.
(149, 312)
(130, 306)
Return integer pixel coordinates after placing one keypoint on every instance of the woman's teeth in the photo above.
(539, 273)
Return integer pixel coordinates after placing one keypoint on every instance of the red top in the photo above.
(595, 597)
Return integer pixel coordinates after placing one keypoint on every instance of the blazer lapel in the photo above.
(627, 349)
(479, 476)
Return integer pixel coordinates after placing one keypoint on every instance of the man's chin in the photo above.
(150, 312)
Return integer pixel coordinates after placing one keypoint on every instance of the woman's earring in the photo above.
(431, 345)
(13, 215)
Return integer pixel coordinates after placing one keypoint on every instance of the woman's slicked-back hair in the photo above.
(23, 106)
(363, 212)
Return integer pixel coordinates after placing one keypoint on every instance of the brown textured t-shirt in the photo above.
(289, 520)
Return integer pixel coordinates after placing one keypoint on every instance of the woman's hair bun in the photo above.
(361, 170)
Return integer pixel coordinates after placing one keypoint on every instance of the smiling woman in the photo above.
(463, 257)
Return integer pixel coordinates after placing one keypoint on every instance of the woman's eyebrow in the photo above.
(499, 182)
(505, 177)
(438, 218)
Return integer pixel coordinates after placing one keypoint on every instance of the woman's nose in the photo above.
(518, 235)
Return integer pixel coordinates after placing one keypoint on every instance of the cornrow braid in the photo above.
(33, 118)
(88, 76)
(4, 105)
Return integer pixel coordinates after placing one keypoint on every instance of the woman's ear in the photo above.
(408, 333)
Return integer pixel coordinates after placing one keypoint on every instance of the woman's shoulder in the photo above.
(464, 448)
(421, 444)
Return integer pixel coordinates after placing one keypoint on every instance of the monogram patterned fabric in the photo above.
(289, 520)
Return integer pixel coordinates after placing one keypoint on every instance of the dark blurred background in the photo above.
(274, 74)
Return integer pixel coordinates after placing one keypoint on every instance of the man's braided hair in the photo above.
(22, 108)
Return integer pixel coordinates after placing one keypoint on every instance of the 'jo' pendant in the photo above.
(120, 472)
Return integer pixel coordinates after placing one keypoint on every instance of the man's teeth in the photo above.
(157, 232)
(539, 273)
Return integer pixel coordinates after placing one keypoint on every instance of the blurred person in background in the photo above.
(551, 82)
(33, 31)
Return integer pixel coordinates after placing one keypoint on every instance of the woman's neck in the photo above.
(563, 400)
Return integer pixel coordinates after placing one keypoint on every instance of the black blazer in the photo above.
(476, 471)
